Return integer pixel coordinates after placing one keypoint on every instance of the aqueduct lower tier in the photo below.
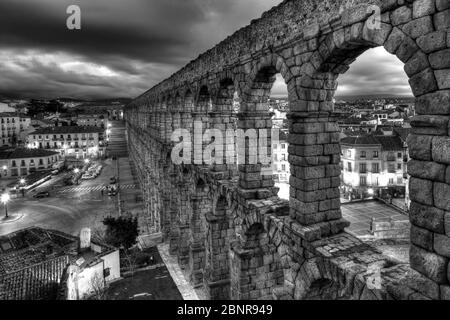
(230, 231)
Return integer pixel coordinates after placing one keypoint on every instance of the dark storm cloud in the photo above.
(124, 47)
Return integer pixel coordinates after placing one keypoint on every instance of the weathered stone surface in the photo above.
(443, 78)
(401, 15)
(442, 20)
(447, 223)
(442, 245)
(440, 59)
(441, 5)
(423, 8)
(423, 82)
(429, 264)
(441, 149)
(432, 125)
(417, 63)
(422, 238)
(445, 292)
(427, 217)
(433, 41)
(418, 27)
(434, 103)
(427, 170)
(419, 147)
(441, 194)
(421, 191)
(394, 40)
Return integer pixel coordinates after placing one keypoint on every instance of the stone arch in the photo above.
(255, 256)
(203, 102)
(188, 101)
(200, 206)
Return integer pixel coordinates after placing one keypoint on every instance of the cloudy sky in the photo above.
(127, 46)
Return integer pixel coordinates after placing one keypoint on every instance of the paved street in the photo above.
(360, 214)
(68, 209)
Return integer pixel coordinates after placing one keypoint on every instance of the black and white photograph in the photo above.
(242, 151)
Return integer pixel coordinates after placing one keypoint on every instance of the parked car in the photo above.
(42, 194)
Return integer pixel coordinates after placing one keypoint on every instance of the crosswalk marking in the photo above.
(95, 188)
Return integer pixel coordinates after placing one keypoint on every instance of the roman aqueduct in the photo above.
(225, 223)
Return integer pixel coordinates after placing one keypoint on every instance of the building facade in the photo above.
(373, 162)
(22, 162)
(281, 171)
(70, 141)
(12, 127)
(96, 119)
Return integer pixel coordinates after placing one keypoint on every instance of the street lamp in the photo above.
(76, 170)
(4, 199)
(86, 161)
(22, 181)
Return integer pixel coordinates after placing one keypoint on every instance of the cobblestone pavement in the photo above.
(360, 214)
(186, 289)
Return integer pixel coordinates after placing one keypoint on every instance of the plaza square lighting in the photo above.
(4, 199)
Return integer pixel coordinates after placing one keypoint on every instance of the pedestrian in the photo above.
(151, 260)
(102, 192)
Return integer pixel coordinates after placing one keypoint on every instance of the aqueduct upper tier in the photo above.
(230, 231)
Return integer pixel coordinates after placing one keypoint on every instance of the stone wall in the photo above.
(300, 245)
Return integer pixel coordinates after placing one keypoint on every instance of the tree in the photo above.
(121, 231)
(98, 288)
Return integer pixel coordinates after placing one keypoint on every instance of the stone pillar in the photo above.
(255, 270)
(184, 227)
(217, 269)
(255, 178)
(314, 157)
(429, 190)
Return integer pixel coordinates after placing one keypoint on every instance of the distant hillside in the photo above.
(373, 97)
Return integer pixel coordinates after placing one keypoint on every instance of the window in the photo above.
(399, 155)
(399, 180)
(284, 156)
(283, 145)
(391, 181)
(362, 181)
(391, 168)
(362, 168)
(349, 166)
(375, 154)
(22, 163)
(275, 157)
(14, 163)
(375, 168)
(399, 166)
(283, 167)
(363, 155)
(375, 181)
(349, 153)
(41, 162)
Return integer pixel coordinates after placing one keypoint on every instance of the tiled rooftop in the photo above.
(22, 153)
(32, 262)
(67, 129)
